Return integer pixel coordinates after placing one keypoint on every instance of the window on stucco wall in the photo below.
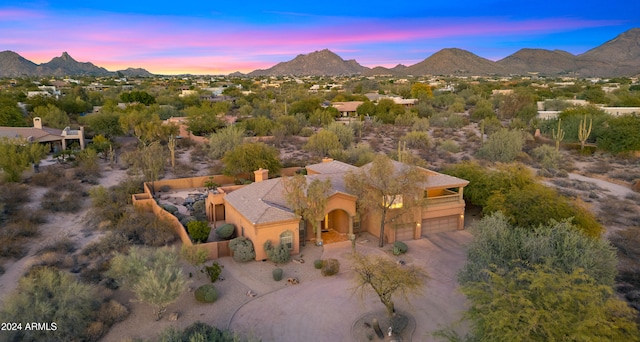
(286, 239)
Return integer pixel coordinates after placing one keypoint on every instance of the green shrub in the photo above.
(279, 253)
(306, 132)
(416, 139)
(399, 247)
(186, 219)
(317, 264)
(206, 293)
(330, 267)
(199, 231)
(213, 271)
(277, 274)
(172, 209)
(243, 249)
(199, 211)
(450, 146)
(225, 232)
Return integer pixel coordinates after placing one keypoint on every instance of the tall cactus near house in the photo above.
(559, 135)
(172, 149)
(583, 132)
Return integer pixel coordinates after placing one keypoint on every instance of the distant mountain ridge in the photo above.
(617, 57)
(14, 65)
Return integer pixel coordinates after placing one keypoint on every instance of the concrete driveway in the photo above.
(325, 309)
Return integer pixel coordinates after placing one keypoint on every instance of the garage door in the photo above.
(439, 225)
(405, 232)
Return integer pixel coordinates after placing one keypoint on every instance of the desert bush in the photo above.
(199, 331)
(627, 175)
(279, 253)
(450, 146)
(306, 132)
(199, 231)
(213, 271)
(225, 232)
(199, 210)
(111, 312)
(420, 125)
(68, 199)
(153, 274)
(548, 157)
(317, 264)
(277, 274)
(144, 228)
(400, 247)
(243, 249)
(112, 242)
(330, 267)
(49, 295)
(502, 146)
(416, 139)
(48, 176)
(600, 167)
(206, 293)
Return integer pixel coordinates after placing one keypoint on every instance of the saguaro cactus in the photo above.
(559, 135)
(583, 132)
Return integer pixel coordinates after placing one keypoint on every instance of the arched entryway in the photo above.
(336, 226)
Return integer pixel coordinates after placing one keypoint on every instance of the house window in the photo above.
(393, 202)
(286, 239)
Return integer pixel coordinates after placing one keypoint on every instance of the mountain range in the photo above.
(14, 65)
(617, 57)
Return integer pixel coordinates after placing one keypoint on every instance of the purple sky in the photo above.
(223, 37)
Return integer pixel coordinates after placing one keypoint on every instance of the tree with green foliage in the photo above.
(104, 123)
(421, 91)
(343, 132)
(17, 155)
(204, 119)
(621, 135)
(149, 160)
(502, 146)
(153, 274)
(308, 199)
(249, 157)
(224, 140)
(47, 295)
(52, 116)
(387, 279)
(322, 142)
(10, 114)
(559, 244)
(386, 188)
(260, 126)
(194, 255)
(138, 96)
(387, 110)
(199, 231)
(367, 108)
(546, 304)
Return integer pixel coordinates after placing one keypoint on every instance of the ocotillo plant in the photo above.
(583, 132)
(558, 136)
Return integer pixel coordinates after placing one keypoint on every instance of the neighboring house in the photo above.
(260, 211)
(347, 108)
(57, 139)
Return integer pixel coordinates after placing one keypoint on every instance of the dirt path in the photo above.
(616, 190)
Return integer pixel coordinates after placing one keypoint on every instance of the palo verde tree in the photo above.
(308, 199)
(154, 275)
(387, 188)
(387, 278)
(17, 154)
(248, 157)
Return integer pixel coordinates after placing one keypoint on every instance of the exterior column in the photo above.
(460, 193)
(351, 236)
(64, 144)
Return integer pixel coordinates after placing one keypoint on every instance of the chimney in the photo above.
(327, 160)
(37, 123)
(261, 175)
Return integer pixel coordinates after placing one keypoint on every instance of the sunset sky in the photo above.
(220, 37)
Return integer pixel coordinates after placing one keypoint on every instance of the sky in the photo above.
(221, 37)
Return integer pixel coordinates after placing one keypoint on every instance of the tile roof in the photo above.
(261, 202)
(332, 167)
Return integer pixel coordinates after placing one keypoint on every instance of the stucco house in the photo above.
(57, 139)
(260, 212)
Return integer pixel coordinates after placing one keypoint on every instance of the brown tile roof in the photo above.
(41, 135)
(261, 202)
(332, 167)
